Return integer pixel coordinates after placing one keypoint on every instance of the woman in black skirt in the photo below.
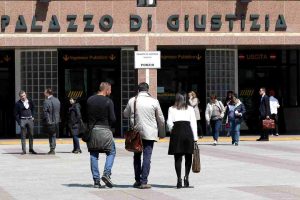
(183, 126)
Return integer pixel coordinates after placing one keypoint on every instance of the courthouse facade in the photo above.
(209, 46)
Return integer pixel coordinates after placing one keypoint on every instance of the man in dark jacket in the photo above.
(51, 110)
(101, 117)
(24, 116)
(264, 113)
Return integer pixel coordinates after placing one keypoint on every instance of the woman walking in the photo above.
(74, 117)
(234, 112)
(194, 102)
(214, 114)
(183, 126)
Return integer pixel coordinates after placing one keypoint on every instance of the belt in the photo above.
(101, 126)
(26, 117)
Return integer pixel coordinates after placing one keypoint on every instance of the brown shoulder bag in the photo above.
(133, 141)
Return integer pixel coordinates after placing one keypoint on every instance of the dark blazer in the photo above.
(51, 109)
(240, 107)
(264, 107)
(19, 108)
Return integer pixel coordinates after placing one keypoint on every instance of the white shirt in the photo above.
(26, 103)
(274, 105)
(175, 115)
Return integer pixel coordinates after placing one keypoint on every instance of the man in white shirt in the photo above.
(274, 105)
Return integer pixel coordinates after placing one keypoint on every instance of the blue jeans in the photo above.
(235, 131)
(75, 132)
(110, 157)
(141, 171)
(215, 126)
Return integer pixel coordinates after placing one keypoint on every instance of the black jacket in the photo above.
(74, 115)
(264, 107)
(19, 109)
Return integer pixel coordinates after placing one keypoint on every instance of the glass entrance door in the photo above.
(82, 72)
(7, 95)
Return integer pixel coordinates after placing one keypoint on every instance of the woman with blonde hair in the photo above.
(194, 102)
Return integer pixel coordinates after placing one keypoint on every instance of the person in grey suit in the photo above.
(51, 111)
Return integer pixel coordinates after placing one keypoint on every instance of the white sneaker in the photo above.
(215, 143)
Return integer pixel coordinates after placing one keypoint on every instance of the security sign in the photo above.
(147, 59)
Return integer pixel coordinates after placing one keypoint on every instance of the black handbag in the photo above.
(133, 141)
(82, 127)
(86, 131)
(196, 166)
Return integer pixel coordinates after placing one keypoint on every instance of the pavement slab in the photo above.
(252, 170)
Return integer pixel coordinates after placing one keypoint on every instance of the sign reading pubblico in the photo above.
(147, 59)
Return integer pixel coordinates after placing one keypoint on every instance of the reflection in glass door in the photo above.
(76, 83)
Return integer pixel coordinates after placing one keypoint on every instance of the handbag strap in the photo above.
(134, 111)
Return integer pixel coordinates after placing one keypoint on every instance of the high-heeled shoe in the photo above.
(186, 181)
(179, 183)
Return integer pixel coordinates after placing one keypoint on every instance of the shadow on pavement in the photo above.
(210, 144)
(163, 186)
(63, 152)
(79, 185)
(19, 153)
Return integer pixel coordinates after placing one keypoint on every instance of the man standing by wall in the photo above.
(101, 115)
(264, 113)
(24, 117)
(51, 110)
(149, 122)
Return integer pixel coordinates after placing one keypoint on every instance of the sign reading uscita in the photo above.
(147, 59)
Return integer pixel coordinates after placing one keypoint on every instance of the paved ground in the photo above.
(252, 170)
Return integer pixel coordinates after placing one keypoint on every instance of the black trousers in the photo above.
(264, 133)
(188, 164)
(199, 127)
(275, 118)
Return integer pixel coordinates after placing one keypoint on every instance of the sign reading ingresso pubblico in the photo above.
(105, 23)
(147, 59)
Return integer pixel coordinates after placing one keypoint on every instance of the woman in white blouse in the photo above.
(183, 126)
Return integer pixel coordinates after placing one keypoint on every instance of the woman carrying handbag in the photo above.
(183, 126)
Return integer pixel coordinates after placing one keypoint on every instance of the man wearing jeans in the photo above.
(150, 123)
(101, 116)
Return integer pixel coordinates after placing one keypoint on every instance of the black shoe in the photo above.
(186, 181)
(51, 152)
(73, 151)
(23, 153)
(32, 151)
(97, 184)
(107, 181)
(179, 183)
(236, 144)
(260, 139)
(137, 184)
